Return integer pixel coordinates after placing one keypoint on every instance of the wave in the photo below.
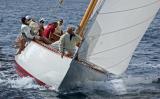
(21, 83)
(128, 85)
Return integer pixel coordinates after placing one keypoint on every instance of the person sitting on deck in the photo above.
(25, 34)
(35, 30)
(26, 29)
(68, 42)
(41, 26)
(49, 31)
(58, 29)
(33, 25)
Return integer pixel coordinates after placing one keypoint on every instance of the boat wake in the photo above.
(21, 83)
(24, 83)
(129, 85)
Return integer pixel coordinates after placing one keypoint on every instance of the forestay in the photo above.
(116, 31)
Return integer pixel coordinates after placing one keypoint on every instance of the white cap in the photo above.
(41, 19)
(28, 17)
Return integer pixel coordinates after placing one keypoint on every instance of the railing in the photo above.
(49, 48)
(85, 63)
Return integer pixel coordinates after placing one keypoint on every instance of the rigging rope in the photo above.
(54, 10)
(61, 1)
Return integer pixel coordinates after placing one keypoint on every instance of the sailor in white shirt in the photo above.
(26, 30)
(24, 36)
(68, 42)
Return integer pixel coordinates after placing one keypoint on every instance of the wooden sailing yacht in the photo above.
(111, 30)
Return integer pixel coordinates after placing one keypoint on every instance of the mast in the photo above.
(87, 15)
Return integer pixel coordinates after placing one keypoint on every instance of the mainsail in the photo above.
(116, 32)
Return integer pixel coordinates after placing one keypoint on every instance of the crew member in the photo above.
(68, 42)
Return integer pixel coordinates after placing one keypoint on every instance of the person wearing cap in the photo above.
(35, 30)
(25, 29)
(41, 26)
(33, 25)
(25, 34)
(58, 29)
(68, 42)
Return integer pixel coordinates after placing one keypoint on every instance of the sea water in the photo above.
(135, 83)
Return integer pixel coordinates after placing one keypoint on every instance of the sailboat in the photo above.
(111, 31)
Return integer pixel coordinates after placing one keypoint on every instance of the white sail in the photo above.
(116, 32)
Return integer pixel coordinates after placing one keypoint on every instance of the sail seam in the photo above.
(116, 64)
(112, 66)
(116, 46)
(132, 8)
(121, 30)
(103, 34)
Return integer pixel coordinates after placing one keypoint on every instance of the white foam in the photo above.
(1, 81)
(156, 66)
(119, 86)
(132, 80)
(0, 64)
(116, 86)
(24, 83)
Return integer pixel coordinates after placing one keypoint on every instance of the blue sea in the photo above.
(136, 83)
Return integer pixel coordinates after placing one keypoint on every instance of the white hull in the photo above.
(43, 64)
(49, 68)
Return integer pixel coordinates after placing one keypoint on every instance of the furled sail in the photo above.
(116, 32)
